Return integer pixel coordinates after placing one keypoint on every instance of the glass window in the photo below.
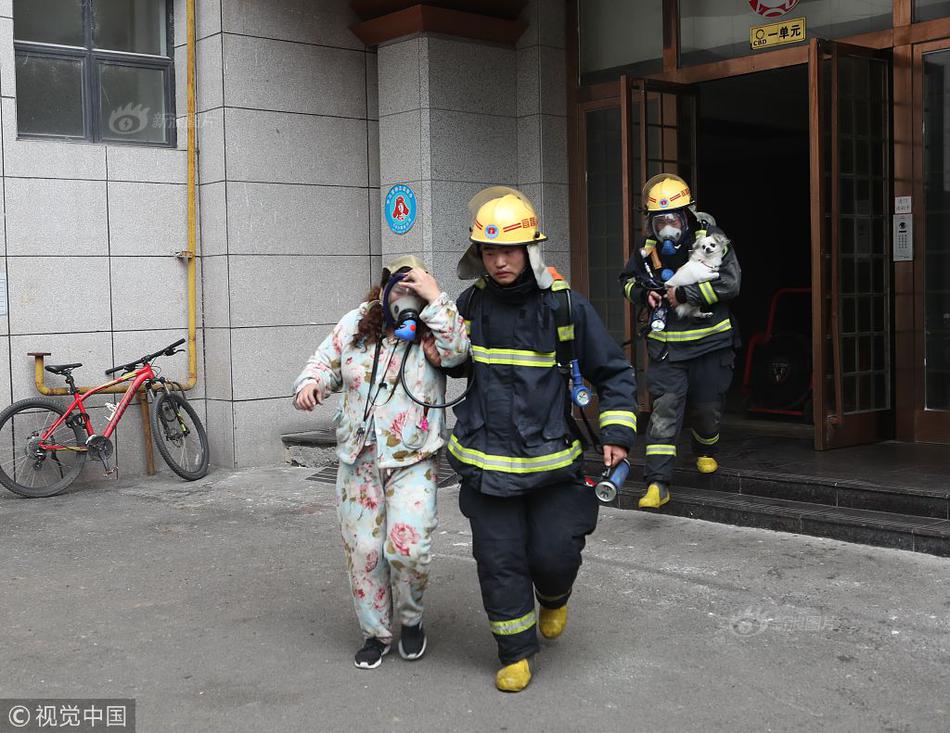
(109, 76)
(931, 9)
(711, 30)
(937, 228)
(49, 101)
(137, 27)
(619, 36)
(49, 21)
(132, 104)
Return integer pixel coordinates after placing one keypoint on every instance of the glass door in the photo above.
(849, 103)
(932, 241)
(662, 139)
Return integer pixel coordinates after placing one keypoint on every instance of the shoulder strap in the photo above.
(564, 321)
(464, 304)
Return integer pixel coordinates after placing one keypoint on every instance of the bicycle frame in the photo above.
(139, 377)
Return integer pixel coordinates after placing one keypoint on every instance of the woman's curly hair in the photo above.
(370, 325)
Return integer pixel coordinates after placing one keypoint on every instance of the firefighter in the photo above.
(692, 357)
(515, 444)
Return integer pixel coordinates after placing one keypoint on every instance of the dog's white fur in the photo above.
(702, 266)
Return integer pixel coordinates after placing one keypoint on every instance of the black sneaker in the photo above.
(412, 642)
(370, 656)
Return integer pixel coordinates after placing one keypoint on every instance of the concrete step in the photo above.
(312, 449)
(864, 526)
(910, 500)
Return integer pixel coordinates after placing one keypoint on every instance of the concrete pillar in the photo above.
(448, 128)
(457, 115)
(542, 124)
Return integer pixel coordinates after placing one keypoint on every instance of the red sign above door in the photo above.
(772, 8)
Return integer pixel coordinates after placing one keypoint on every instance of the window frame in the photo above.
(91, 58)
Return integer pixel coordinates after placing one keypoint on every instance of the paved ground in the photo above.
(222, 606)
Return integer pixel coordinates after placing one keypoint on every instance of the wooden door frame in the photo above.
(930, 426)
(579, 272)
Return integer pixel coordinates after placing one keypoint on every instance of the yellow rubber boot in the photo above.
(657, 495)
(706, 464)
(552, 621)
(513, 678)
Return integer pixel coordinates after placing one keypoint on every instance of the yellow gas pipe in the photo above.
(188, 255)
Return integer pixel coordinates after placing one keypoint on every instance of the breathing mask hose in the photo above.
(411, 396)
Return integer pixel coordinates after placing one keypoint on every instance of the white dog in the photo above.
(702, 266)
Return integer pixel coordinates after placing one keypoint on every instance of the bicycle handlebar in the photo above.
(128, 367)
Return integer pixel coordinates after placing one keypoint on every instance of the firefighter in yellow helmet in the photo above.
(515, 445)
(691, 333)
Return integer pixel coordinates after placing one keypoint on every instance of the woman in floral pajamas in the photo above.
(387, 444)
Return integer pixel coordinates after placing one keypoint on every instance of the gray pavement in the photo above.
(223, 605)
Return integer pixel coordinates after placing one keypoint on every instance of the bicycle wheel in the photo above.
(180, 436)
(25, 467)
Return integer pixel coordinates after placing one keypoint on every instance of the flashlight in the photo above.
(658, 317)
(611, 480)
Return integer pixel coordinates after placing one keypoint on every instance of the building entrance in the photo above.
(795, 164)
(752, 176)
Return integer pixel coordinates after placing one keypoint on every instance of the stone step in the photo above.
(312, 449)
(910, 500)
(864, 526)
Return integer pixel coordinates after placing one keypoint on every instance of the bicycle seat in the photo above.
(63, 369)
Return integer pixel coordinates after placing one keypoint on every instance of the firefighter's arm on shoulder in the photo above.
(604, 365)
(723, 289)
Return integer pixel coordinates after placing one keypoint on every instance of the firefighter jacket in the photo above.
(685, 338)
(514, 433)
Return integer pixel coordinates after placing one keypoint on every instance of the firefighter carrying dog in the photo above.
(692, 335)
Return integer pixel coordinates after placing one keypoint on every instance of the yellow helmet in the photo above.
(504, 216)
(666, 192)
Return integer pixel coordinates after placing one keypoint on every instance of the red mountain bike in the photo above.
(43, 447)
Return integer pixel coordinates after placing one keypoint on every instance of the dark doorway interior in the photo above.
(753, 169)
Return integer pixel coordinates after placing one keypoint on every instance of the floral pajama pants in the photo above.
(387, 517)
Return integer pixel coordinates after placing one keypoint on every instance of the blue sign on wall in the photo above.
(400, 208)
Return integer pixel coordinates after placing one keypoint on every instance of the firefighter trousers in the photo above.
(703, 382)
(526, 546)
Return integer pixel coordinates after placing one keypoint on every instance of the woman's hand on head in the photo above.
(422, 283)
(307, 398)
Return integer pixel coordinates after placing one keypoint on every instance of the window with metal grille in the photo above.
(96, 70)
